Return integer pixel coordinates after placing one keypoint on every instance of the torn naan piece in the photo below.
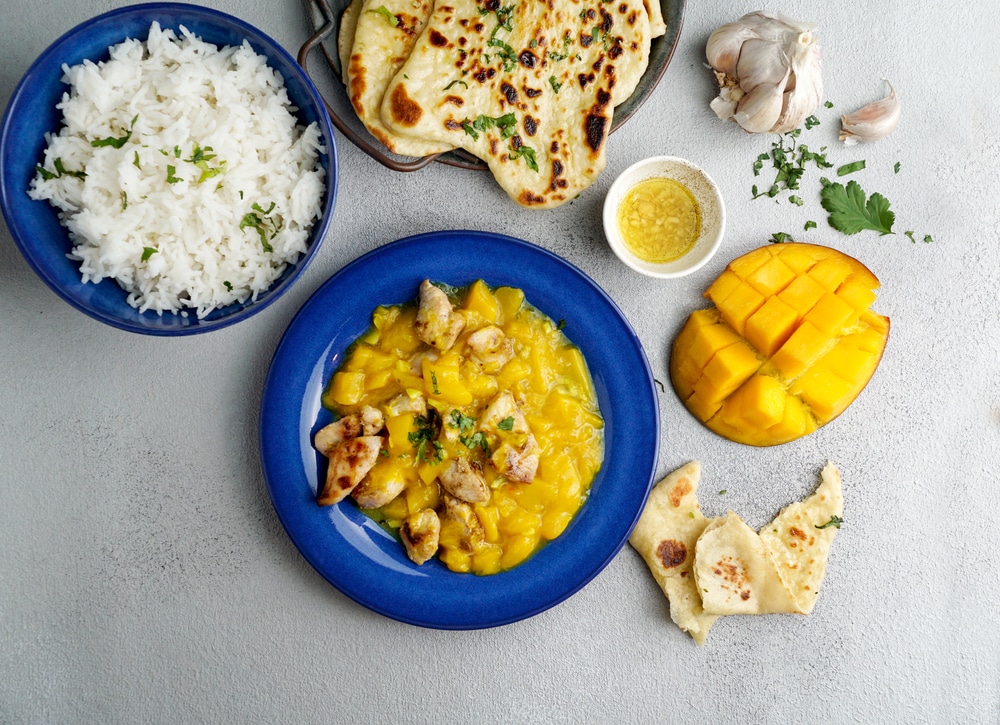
(799, 539)
(529, 88)
(735, 573)
(384, 34)
(665, 537)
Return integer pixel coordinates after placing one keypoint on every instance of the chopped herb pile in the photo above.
(262, 223)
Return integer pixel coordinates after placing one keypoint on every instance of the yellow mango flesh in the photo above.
(789, 343)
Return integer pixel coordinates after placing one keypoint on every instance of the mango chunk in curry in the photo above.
(486, 420)
(789, 343)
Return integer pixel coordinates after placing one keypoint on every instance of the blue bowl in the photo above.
(32, 113)
(365, 562)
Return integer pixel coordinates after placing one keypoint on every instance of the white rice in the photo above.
(162, 222)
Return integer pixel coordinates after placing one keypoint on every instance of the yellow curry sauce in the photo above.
(547, 376)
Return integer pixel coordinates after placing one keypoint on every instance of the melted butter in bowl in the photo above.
(664, 217)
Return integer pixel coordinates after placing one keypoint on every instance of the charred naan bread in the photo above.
(529, 88)
(345, 36)
(735, 573)
(799, 539)
(384, 34)
(665, 537)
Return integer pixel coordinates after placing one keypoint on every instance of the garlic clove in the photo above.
(872, 122)
(804, 89)
(759, 109)
(723, 48)
(761, 62)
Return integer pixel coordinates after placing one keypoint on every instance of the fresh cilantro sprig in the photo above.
(852, 212)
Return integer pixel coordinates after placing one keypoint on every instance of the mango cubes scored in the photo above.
(790, 342)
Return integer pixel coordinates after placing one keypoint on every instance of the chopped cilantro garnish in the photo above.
(524, 152)
(895, 168)
(171, 178)
(385, 13)
(454, 82)
(434, 383)
(834, 521)
(113, 141)
(228, 285)
(259, 220)
(148, 252)
(811, 121)
(135, 160)
(463, 422)
(809, 225)
(850, 168)
(851, 212)
(506, 424)
(506, 123)
(780, 237)
(556, 85)
(60, 171)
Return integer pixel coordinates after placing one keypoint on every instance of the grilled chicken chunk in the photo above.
(349, 462)
(375, 491)
(464, 515)
(491, 348)
(516, 456)
(421, 534)
(368, 423)
(463, 479)
(436, 323)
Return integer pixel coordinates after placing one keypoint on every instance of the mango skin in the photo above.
(789, 344)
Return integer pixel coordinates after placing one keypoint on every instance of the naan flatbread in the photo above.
(384, 34)
(710, 568)
(529, 88)
(735, 573)
(665, 537)
(345, 35)
(799, 548)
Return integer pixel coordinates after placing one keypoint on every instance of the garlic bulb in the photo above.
(769, 70)
(874, 121)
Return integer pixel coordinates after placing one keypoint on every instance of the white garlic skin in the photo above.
(769, 70)
(872, 122)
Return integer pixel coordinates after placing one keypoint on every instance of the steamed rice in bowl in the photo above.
(182, 173)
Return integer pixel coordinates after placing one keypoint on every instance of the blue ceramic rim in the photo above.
(336, 540)
(49, 62)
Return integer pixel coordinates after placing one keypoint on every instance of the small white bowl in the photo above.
(706, 193)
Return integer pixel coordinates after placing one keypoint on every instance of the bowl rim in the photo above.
(709, 196)
(16, 210)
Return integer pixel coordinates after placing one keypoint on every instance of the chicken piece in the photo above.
(372, 420)
(463, 479)
(462, 513)
(495, 418)
(491, 348)
(421, 534)
(436, 323)
(517, 461)
(329, 437)
(349, 462)
(375, 491)
(407, 403)
(368, 423)
(516, 455)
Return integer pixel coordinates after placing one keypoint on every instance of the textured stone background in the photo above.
(144, 575)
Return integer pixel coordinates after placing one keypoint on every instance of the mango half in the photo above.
(790, 342)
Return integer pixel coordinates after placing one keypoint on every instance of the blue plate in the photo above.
(349, 549)
(32, 113)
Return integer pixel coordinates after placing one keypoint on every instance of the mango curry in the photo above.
(467, 424)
